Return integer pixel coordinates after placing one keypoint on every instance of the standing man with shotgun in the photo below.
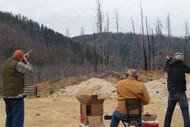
(13, 73)
(176, 83)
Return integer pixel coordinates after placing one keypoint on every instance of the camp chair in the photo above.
(132, 104)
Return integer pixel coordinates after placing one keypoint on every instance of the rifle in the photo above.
(28, 53)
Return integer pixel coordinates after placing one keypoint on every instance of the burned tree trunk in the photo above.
(170, 47)
(187, 45)
(143, 40)
(148, 41)
(153, 52)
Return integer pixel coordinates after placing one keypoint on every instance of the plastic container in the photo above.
(150, 123)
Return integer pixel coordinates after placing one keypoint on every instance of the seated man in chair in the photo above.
(129, 88)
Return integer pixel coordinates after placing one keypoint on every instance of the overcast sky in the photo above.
(74, 14)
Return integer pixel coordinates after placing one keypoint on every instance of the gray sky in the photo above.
(60, 14)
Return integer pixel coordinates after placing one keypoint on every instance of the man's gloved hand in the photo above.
(24, 59)
(27, 56)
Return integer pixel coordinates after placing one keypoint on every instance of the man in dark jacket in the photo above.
(176, 83)
(13, 88)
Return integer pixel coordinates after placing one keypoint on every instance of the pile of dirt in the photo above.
(101, 87)
(157, 89)
(50, 87)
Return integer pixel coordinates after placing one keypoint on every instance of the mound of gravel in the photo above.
(101, 87)
(157, 89)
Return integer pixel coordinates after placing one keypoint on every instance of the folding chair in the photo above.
(132, 104)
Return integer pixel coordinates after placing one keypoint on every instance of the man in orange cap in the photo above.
(13, 73)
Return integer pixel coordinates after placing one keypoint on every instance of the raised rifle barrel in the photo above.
(27, 53)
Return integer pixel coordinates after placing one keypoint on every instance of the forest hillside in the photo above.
(54, 55)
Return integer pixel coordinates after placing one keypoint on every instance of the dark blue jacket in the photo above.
(176, 81)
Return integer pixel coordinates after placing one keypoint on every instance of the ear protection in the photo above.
(183, 60)
(178, 56)
(127, 74)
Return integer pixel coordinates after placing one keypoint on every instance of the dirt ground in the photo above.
(64, 112)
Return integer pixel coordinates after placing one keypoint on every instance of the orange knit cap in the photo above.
(18, 54)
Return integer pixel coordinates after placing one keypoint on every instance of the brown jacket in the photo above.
(131, 88)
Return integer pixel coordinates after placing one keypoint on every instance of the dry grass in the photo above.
(47, 88)
(145, 76)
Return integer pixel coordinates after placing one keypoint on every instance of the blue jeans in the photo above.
(173, 99)
(115, 118)
(15, 112)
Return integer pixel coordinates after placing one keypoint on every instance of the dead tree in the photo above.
(170, 47)
(99, 17)
(95, 55)
(148, 42)
(107, 40)
(161, 53)
(107, 22)
(143, 40)
(84, 50)
(133, 45)
(117, 21)
(99, 30)
(153, 52)
(69, 46)
(187, 45)
(117, 45)
(134, 54)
